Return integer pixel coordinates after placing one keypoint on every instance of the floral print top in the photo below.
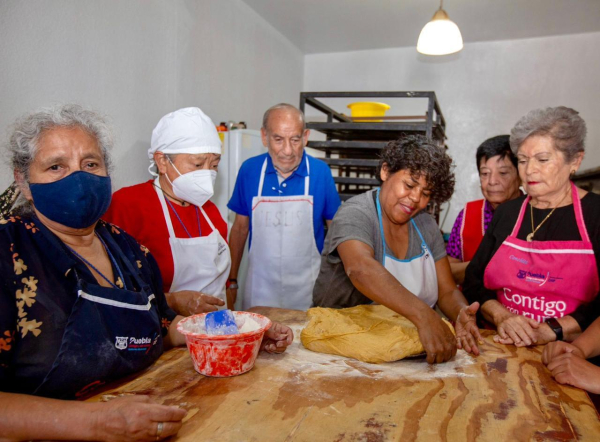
(38, 289)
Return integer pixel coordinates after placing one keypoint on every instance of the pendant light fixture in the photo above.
(440, 36)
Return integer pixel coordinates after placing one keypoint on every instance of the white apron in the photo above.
(284, 262)
(417, 274)
(200, 264)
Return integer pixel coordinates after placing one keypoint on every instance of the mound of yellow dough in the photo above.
(369, 333)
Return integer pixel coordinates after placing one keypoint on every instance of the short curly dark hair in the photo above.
(422, 157)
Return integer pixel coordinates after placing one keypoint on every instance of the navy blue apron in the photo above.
(111, 333)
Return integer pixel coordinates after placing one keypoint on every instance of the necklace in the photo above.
(181, 222)
(112, 259)
(535, 229)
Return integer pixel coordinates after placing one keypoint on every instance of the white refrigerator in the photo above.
(238, 146)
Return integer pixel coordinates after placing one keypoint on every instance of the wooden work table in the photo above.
(504, 394)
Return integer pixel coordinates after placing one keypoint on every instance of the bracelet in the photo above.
(233, 285)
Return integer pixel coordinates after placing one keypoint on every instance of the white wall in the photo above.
(482, 90)
(137, 60)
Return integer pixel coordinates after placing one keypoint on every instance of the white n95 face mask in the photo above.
(195, 187)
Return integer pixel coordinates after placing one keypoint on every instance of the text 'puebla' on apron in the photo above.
(200, 264)
(417, 274)
(544, 279)
(284, 262)
(111, 333)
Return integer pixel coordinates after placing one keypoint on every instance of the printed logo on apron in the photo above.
(121, 342)
(100, 320)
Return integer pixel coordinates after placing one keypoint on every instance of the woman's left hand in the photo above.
(467, 332)
(277, 338)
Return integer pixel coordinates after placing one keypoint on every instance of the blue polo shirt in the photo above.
(325, 197)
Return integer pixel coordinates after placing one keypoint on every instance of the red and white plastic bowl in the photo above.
(223, 355)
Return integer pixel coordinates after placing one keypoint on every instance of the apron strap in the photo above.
(520, 218)
(306, 179)
(212, 226)
(579, 213)
(423, 243)
(378, 205)
(106, 301)
(262, 178)
(165, 209)
(110, 242)
(576, 207)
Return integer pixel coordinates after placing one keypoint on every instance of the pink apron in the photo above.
(544, 279)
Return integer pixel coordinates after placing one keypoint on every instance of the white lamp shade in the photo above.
(440, 36)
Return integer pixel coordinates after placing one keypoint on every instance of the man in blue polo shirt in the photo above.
(283, 199)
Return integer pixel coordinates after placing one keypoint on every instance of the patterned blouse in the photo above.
(38, 288)
(454, 247)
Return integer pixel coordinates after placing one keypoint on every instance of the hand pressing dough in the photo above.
(369, 333)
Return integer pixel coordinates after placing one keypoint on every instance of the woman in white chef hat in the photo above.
(173, 216)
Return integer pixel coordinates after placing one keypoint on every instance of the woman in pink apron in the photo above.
(536, 273)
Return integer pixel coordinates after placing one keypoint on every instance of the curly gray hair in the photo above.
(562, 124)
(28, 130)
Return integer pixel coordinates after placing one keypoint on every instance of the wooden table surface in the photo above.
(504, 394)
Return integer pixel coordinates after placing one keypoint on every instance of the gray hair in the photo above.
(287, 107)
(562, 124)
(28, 130)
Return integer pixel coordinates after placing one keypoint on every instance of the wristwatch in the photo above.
(233, 284)
(556, 328)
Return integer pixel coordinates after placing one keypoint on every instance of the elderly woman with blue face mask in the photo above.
(81, 302)
(173, 216)
(78, 297)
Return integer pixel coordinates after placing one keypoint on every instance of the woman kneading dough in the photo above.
(382, 248)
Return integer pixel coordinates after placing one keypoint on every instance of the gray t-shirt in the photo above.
(357, 219)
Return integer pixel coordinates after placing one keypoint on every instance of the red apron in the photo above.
(472, 229)
(544, 279)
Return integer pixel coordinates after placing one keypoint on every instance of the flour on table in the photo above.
(298, 359)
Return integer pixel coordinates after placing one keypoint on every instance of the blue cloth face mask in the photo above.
(77, 200)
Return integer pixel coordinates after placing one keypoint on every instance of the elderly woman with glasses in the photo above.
(536, 270)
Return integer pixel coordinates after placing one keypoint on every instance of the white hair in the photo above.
(28, 130)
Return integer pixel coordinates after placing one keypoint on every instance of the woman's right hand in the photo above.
(516, 329)
(437, 339)
(136, 418)
(190, 302)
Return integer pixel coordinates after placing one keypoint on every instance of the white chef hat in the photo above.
(187, 130)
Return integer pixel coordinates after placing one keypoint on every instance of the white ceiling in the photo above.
(348, 25)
